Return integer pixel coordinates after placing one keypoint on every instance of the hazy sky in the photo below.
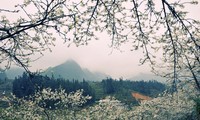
(97, 56)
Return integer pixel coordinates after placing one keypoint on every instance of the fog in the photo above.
(96, 56)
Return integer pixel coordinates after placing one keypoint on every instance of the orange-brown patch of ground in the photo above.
(140, 97)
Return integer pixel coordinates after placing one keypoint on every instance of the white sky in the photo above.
(97, 56)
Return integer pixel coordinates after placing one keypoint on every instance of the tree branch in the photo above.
(173, 44)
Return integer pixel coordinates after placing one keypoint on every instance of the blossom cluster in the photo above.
(36, 107)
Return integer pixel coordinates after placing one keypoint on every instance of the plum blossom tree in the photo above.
(31, 33)
(37, 108)
(149, 25)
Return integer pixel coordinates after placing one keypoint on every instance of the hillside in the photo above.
(14, 72)
(2, 75)
(147, 76)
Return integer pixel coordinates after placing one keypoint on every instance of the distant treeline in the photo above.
(150, 88)
(25, 86)
(122, 89)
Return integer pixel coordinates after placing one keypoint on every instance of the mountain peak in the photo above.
(72, 70)
(70, 63)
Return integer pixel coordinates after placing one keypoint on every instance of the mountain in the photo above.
(14, 72)
(146, 77)
(2, 75)
(72, 70)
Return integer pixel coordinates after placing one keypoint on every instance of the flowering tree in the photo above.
(31, 33)
(145, 24)
(37, 106)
